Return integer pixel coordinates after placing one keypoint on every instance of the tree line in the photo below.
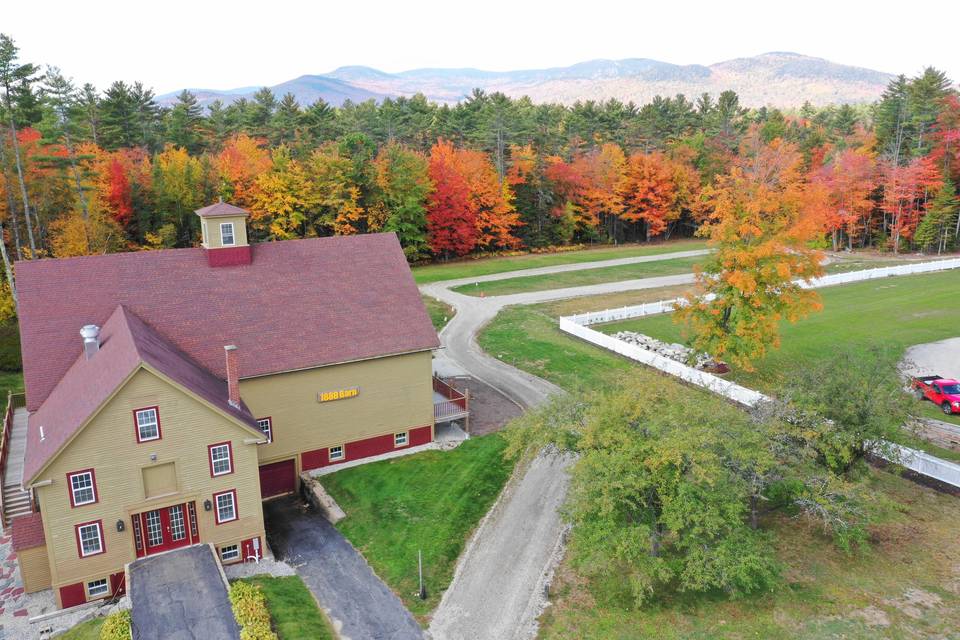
(88, 171)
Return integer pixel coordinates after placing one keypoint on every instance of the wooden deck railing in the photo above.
(456, 405)
(5, 437)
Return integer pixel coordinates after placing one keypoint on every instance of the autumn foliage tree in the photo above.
(451, 217)
(759, 227)
(649, 192)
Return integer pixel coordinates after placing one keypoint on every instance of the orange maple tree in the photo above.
(761, 219)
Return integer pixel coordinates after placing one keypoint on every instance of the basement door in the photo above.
(165, 529)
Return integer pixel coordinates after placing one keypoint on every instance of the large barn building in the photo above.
(168, 392)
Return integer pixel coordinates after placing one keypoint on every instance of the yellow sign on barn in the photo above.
(341, 394)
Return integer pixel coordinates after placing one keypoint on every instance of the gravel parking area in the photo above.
(934, 358)
(490, 410)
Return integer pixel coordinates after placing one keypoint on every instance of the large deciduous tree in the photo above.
(451, 216)
(759, 225)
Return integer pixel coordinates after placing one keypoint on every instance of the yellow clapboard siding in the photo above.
(395, 394)
(34, 569)
(108, 445)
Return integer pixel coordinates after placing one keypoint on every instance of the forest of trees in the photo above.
(85, 170)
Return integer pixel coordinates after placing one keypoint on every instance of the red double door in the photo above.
(165, 529)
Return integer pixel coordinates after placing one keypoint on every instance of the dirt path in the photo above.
(499, 588)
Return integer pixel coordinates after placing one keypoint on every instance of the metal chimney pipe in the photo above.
(91, 339)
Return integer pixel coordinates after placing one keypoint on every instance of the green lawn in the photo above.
(10, 381)
(897, 312)
(429, 501)
(88, 630)
(580, 278)
(468, 268)
(440, 312)
(294, 613)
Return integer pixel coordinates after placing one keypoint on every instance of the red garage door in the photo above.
(278, 478)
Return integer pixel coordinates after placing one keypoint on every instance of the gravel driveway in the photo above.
(499, 588)
(360, 605)
(935, 358)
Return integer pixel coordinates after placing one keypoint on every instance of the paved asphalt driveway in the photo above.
(361, 606)
(180, 596)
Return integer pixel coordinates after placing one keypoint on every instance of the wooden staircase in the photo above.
(14, 502)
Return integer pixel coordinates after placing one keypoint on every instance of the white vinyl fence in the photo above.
(667, 306)
(578, 325)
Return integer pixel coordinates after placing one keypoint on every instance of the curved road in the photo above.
(499, 588)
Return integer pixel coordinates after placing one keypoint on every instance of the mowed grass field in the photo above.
(429, 502)
(469, 268)
(440, 312)
(907, 585)
(898, 312)
(580, 278)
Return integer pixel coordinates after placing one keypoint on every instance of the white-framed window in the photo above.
(83, 489)
(229, 552)
(336, 453)
(148, 424)
(221, 459)
(90, 539)
(400, 439)
(226, 506)
(226, 234)
(266, 425)
(98, 588)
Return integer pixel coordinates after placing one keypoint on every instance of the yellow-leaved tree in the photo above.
(761, 219)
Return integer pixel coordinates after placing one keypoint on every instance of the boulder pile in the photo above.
(674, 351)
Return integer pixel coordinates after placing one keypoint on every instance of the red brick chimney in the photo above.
(233, 375)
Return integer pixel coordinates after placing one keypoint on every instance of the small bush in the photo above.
(250, 609)
(10, 347)
(116, 626)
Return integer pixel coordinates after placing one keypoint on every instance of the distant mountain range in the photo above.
(776, 79)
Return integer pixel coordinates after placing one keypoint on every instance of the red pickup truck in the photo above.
(939, 390)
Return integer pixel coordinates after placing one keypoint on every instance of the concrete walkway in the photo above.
(499, 588)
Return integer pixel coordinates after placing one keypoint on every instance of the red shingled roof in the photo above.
(221, 209)
(27, 532)
(299, 304)
(126, 342)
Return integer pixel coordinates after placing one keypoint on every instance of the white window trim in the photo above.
(233, 504)
(232, 549)
(156, 424)
(99, 530)
(332, 457)
(92, 488)
(233, 236)
(269, 431)
(229, 460)
(404, 436)
(106, 588)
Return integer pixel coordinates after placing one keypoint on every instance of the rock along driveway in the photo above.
(499, 588)
(360, 605)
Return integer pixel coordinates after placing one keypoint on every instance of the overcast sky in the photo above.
(171, 44)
